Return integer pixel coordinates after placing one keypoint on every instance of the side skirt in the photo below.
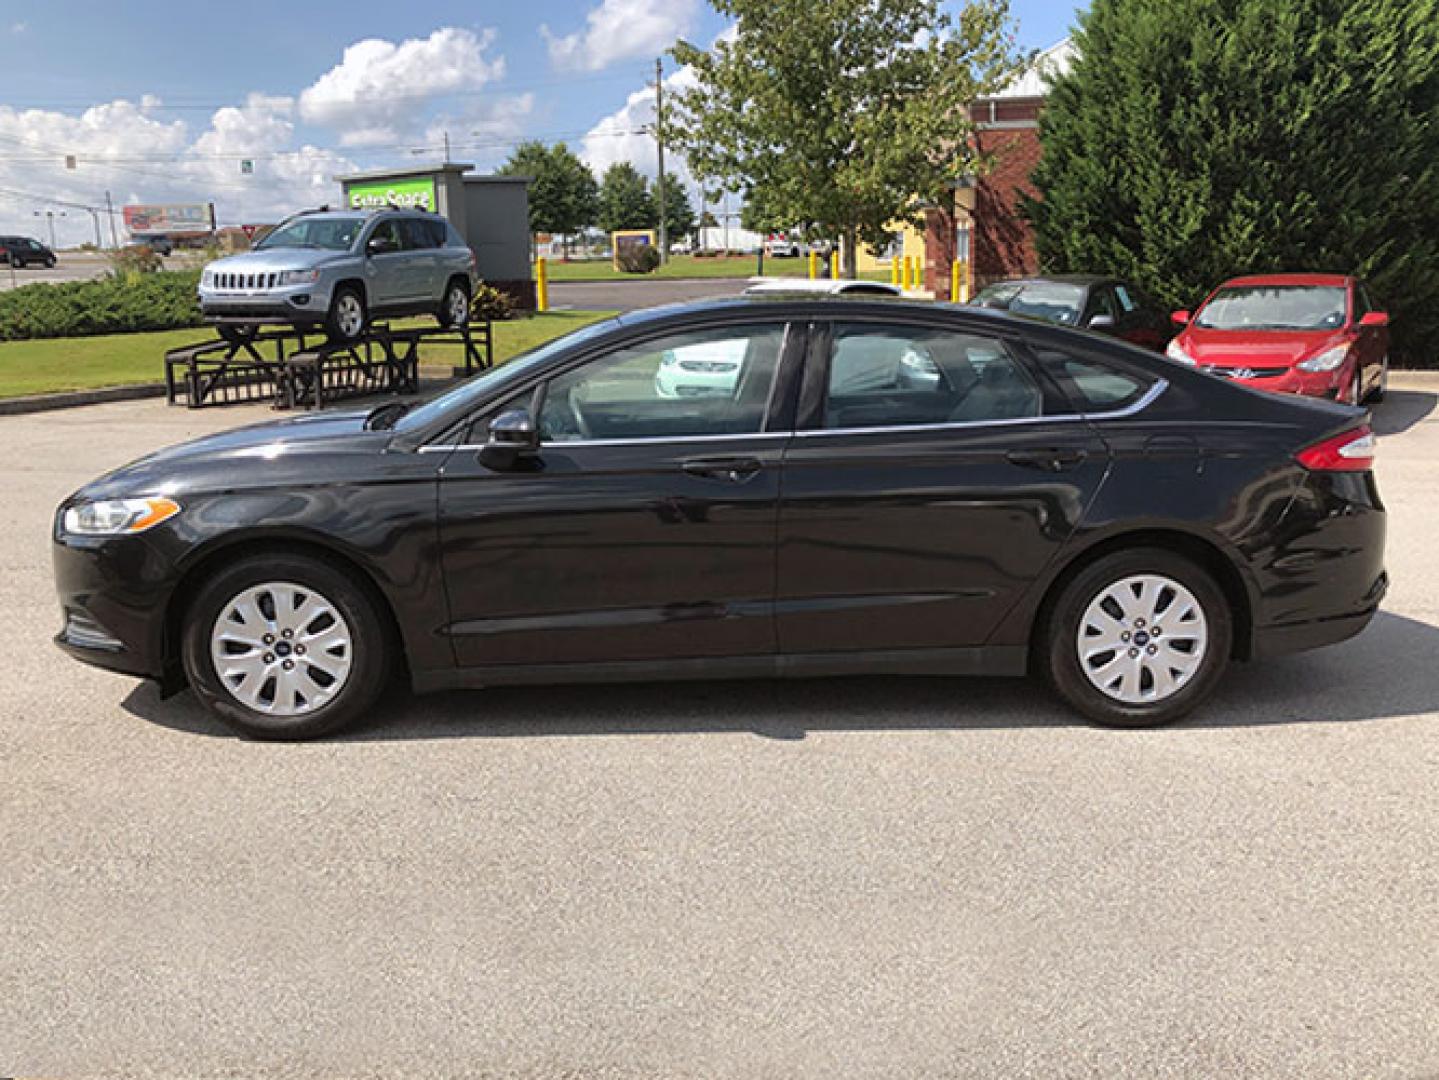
(988, 660)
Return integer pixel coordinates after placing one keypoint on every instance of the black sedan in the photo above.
(837, 487)
(1103, 304)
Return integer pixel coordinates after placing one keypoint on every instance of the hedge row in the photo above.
(163, 301)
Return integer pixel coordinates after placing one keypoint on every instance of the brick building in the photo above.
(985, 228)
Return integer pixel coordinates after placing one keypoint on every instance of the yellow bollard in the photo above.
(834, 264)
(954, 282)
(908, 272)
(542, 285)
(813, 265)
(894, 271)
(963, 281)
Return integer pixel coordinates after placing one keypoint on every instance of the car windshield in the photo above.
(1052, 301)
(479, 387)
(1275, 307)
(326, 233)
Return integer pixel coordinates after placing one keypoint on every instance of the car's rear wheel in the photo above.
(347, 318)
(285, 647)
(454, 309)
(1138, 638)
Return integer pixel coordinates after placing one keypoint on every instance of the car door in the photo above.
(385, 265)
(1370, 342)
(422, 262)
(644, 527)
(934, 474)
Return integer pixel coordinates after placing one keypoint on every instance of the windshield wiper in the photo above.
(383, 417)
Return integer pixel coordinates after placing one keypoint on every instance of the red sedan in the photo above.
(1314, 334)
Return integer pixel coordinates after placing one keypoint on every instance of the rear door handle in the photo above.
(733, 470)
(1050, 458)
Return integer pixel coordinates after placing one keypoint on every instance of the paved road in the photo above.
(71, 267)
(629, 295)
(863, 878)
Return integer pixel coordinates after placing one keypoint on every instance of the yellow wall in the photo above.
(913, 248)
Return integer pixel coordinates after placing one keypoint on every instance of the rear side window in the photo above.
(902, 376)
(417, 233)
(1093, 385)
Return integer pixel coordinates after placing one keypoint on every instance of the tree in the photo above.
(625, 201)
(564, 197)
(844, 116)
(1197, 139)
(679, 213)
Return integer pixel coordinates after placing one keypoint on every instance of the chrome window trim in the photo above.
(1148, 398)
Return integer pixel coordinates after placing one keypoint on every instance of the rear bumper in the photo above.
(1271, 641)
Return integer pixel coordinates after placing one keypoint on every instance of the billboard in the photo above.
(417, 193)
(169, 218)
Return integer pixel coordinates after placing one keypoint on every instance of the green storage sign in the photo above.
(417, 193)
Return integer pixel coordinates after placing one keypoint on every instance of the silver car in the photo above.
(341, 269)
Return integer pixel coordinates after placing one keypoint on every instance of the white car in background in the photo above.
(706, 369)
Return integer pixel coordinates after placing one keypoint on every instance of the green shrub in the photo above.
(644, 259)
(158, 301)
(490, 304)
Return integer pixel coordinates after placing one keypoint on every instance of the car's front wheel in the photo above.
(285, 647)
(1138, 638)
(347, 317)
(455, 306)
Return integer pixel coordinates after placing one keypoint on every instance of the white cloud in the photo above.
(624, 135)
(620, 30)
(379, 89)
(19, 27)
(483, 134)
(121, 147)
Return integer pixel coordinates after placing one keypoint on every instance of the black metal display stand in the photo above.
(294, 369)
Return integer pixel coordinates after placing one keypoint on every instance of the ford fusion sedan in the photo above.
(1314, 334)
(341, 270)
(1049, 501)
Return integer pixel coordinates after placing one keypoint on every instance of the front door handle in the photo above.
(1049, 458)
(733, 470)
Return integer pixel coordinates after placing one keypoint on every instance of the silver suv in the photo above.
(340, 269)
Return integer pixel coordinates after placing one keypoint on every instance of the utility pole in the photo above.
(50, 216)
(110, 209)
(447, 147)
(95, 219)
(660, 148)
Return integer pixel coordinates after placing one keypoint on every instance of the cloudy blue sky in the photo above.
(160, 100)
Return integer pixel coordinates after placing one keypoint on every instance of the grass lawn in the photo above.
(687, 266)
(40, 367)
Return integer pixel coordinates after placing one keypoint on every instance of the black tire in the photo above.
(450, 306)
(370, 649)
(1057, 651)
(18, 263)
(1376, 396)
(50, 263)
(236, 334)
(338, 322)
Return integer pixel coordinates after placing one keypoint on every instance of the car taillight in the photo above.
(1350, 451)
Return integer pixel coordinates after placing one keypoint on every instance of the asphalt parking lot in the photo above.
(856, 878)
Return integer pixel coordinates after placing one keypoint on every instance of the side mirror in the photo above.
(1375, 319)
(377, 246)
(1102, 322)
(1180, 318)
(512, 435)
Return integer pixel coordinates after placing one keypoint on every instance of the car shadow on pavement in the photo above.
(1401, 410)
(1389, 671)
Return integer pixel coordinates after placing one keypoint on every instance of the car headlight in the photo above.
(1328, 360)
(114, 517)
(299, 277)
(669, 360)
(1175, 351)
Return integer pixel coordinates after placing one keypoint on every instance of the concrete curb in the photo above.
(71, 399)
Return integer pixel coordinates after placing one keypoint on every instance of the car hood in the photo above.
(1255, 348)
(258, 455)
(264, 262)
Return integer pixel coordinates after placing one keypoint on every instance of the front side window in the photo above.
(417, 234)
(703, 382)
(386, 237)
(1275, 307)
(906, 376)
(328, 234)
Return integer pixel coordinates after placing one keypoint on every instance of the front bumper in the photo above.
(301, 301)
(1285, 380)
(113, 595)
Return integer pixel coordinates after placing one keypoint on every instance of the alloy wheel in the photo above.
(459, 309)
(350, 315)
(1142, 639)
(281, 649)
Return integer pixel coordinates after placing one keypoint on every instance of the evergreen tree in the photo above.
(679, 214)
(1198, 139)
(625, 200)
